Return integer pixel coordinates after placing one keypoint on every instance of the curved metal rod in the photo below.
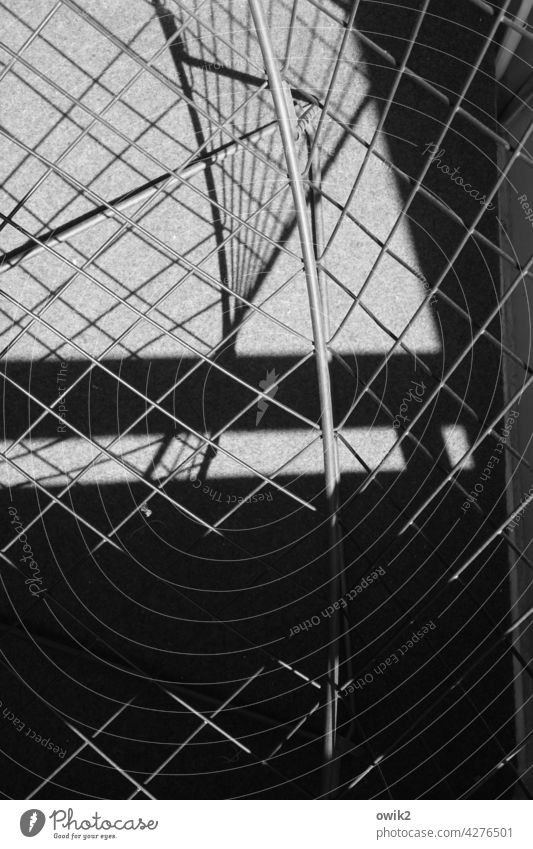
(331, 466)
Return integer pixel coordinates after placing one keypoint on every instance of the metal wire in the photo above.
(306, 249)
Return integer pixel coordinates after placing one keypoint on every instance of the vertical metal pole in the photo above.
(317, 216)
(331, 467)
(317, 213)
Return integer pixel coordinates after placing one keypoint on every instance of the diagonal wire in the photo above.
(412, 194)
(31, 38)
(423, 190)
(378, 129)
(401, 510)
(123, 773)
(333, 78)
(54, 167)
(78, 750)
(141, 395)
(204, 724)
(263, 484)
(136, 422)
(158, 75)
(495, 312)
(161, 329)
(135, 670)
(425, 84)
(422, 718)
(96, 118)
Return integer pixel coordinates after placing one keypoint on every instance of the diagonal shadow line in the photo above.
(95, 82)
(179, 57)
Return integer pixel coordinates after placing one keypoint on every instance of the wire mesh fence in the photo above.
(265, 458)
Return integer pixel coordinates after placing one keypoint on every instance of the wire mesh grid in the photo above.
(260, 469)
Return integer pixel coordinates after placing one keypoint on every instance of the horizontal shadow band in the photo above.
(205, 401)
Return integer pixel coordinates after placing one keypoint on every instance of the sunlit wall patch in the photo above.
(456, 443)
